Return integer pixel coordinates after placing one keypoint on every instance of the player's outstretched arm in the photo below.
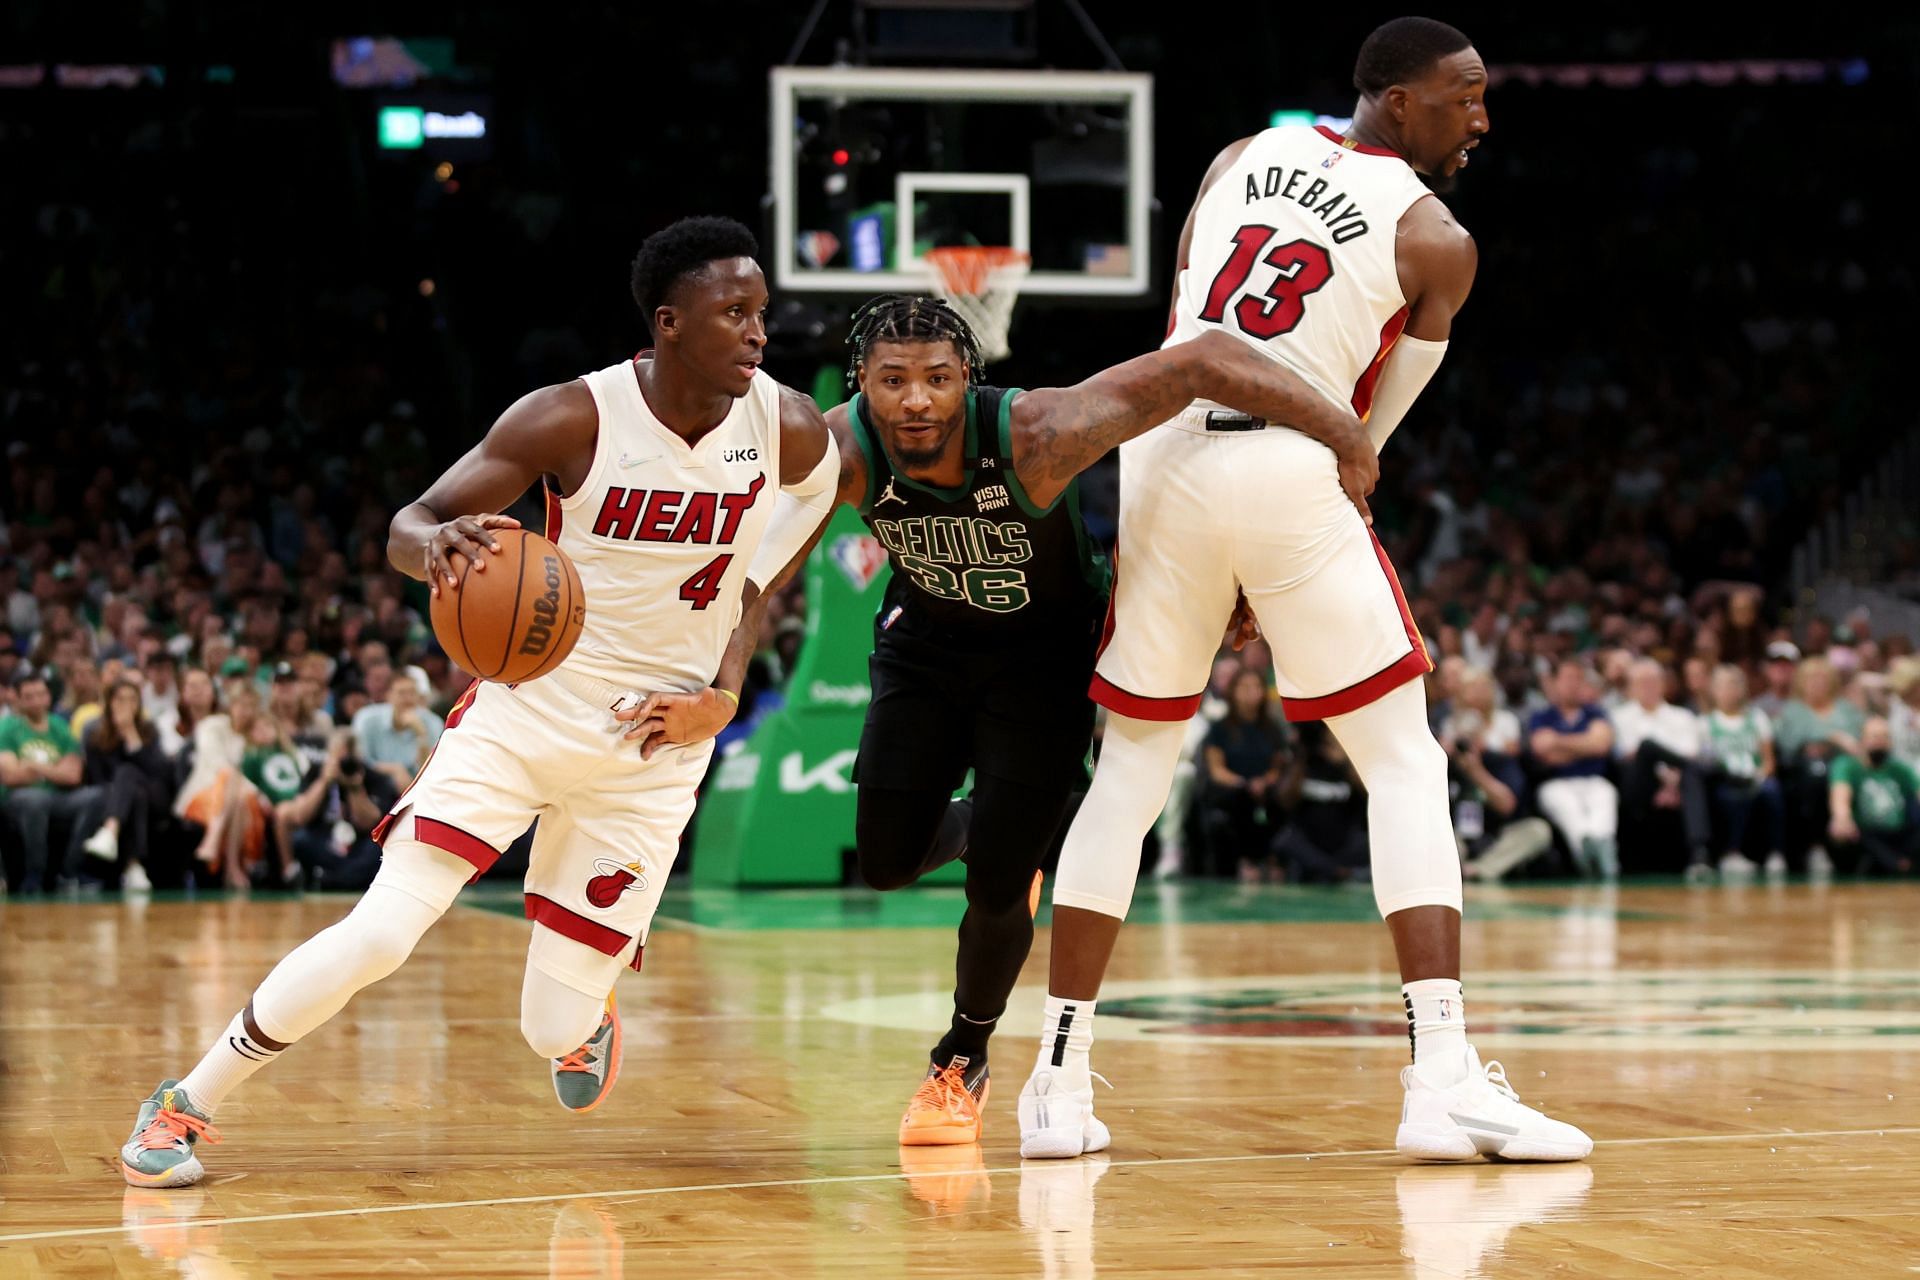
(1060, 432)
(546, 432)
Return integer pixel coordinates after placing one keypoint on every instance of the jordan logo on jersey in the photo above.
(888, 495)
(668, 515)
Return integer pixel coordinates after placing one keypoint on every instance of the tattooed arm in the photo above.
(1060, 432)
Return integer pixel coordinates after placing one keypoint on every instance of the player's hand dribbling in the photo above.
(465, 536)
(675, 719)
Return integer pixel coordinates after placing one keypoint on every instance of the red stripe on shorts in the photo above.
(1115, 699)
(461, 844)
(1415, 664)
(454, 715)
(569, 923)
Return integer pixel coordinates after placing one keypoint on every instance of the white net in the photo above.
(981, 282)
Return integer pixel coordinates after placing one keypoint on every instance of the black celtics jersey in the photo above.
(981, 560)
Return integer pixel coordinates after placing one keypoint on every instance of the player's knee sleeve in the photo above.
(554, 1017)
(1101, 858)
(317, 978)
(1415, 860)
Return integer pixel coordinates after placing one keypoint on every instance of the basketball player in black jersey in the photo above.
(985, 643)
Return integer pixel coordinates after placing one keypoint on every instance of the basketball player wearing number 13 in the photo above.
(673, 484)
(1329, 254)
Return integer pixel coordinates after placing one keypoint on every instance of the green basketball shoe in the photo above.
(160, 1152)
(583, 1079)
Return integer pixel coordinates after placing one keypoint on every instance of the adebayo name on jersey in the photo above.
(1279, 182)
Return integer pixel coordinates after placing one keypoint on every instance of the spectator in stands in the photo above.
(125, 761)
(1903, 681)
(1570, 741)
(197, 701)
(329, 824)
(9, 660)
(288, 704)
(396, 736)
(1816, 728)
(1171, 829)
(1480, 642)
(1245, 755)
(1779, 670)
(80, 698)
(216, 796)
(1739, 753)
(1487, 785)
(1874, 798)
(1325, 840)
(272, 763)
(1658, 746)
(160, 691)
(43, 774)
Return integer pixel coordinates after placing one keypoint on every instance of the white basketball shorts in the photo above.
(1205, 512)
(610, 822)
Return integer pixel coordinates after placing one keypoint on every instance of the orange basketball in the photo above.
(519, 618)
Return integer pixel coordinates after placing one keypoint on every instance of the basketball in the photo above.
(518, 619)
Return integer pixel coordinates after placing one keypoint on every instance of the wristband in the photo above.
(727, 693)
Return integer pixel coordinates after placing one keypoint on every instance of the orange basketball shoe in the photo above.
(949, 1108)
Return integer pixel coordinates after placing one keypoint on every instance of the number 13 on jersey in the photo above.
(1303, 266)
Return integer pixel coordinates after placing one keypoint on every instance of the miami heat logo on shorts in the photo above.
(615, 878)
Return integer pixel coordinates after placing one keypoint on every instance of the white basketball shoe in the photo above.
(1480, 1116)
(1056, 1113)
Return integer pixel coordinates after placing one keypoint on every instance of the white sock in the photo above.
(1437, 1025)
(1066, 1033)
(233, 1057)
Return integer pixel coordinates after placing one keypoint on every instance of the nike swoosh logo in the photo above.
(1485, 1126)
(628, 461)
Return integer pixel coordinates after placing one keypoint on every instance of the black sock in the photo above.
(966, 1038)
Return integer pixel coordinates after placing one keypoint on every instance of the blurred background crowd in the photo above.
(240, 340)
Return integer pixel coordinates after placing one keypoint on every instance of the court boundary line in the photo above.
(641, 1193)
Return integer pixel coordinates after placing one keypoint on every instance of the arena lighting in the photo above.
(1713, 75)
(1289, 116)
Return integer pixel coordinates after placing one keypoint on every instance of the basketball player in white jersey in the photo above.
(1331, 255)
(665, 477)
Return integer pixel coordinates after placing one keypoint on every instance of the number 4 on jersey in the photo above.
(1304, 268)
(703, 588)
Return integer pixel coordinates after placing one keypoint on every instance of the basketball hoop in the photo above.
(981, 282)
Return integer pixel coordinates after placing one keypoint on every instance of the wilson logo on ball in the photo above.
(546, 611)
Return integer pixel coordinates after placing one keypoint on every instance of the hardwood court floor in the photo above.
(1748, 1060)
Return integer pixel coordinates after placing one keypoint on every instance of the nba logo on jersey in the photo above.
(1333, 159)
(859, 557)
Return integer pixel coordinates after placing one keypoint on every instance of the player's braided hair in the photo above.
(909, 317)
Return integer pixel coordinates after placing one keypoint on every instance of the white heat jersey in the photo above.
(1293, 249)
(662, 533)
